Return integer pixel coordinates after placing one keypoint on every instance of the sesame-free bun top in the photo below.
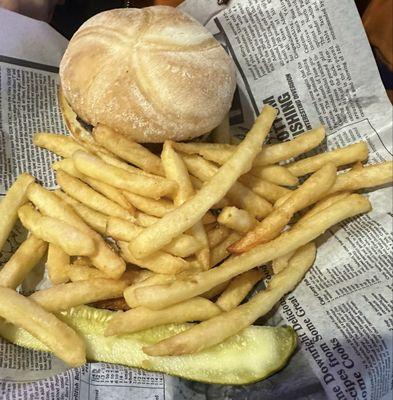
(151, 74)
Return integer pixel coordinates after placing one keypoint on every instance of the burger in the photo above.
(149, 74)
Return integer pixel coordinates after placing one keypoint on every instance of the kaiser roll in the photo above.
(151, 74)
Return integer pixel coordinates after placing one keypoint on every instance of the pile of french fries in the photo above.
(133, 231)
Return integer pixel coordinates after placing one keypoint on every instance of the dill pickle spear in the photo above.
(254, 354)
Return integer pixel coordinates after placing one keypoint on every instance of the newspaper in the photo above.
(309, 59)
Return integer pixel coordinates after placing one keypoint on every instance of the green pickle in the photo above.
(254, 354)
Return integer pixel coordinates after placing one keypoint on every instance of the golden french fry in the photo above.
(14, 198)
(220, 252)
(92, 218)
(79, 272)
(268, 190)
(56, 264)
(176, 170)
(219, 328)
(55, 334)
(140, 318)
(238, 289)
(115, 162)
(110, 192)
(270, 154)
(67, 295)
(313, 189)
(61, 145)
(238, 194)
(53, 230)
(153, 279)
(236, 219)
(358, 165)
(89, 197)
(182, 246)
(324, 203)
(144, 185)
(156, 208)
(52, 205)
(197, 184)
(128, 150)
(217, 235)
(343, 156)
(184, 217)
(280, 263)
(159, 262)
(25, 258)
(145, 220)
(368, 176)
(156, 297)
(222, 134)
(275, 174)
(216, 291)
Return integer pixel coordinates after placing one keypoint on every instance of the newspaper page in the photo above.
(311, 60)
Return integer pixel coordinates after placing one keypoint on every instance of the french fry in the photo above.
(270, 154)
(158, 262)
(280, 263)
(217, 235)
(143, 185)
(238, 289)
(236, 219)
(153, 279)
(145, 220)
(222, 134)
(324, 203)
(219, 328)
(182, 246)
(14, 198)
(154, 207)
(55, 334)
(216, 291)
(367, 177)
(115, 162)
(343, 156)
(52, 205)
(110, 192)
(239, 194)
(67, 295)
(176, 170)
(268, 190)
(158, 296)
(25, 258)
(220, 252)
(128, 150)
(275, 174)
(56, 263)
(184, 217)
(313, 189)
(197, 184)
(61, 145)
(92, 218)
(140, 318)
(53, 230)
(79, 272)
(89, 197)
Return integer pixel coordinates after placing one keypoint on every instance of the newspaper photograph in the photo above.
(312, 62)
